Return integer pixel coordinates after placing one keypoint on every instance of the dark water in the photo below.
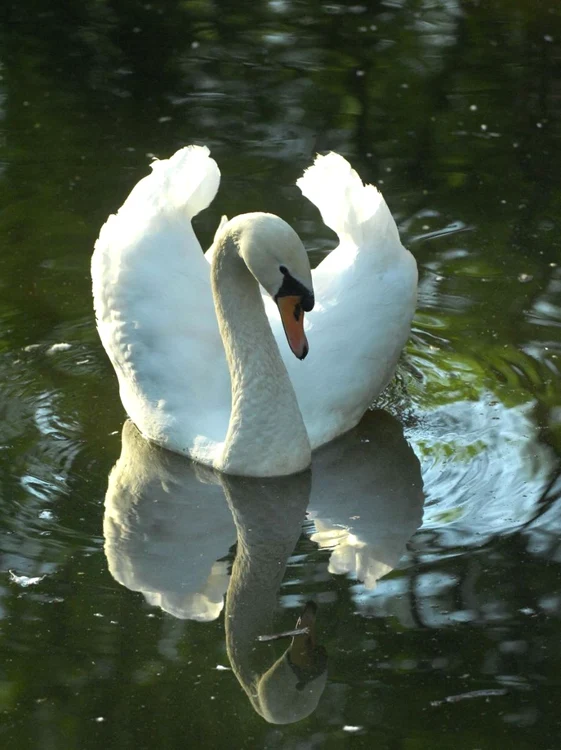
(441, 622)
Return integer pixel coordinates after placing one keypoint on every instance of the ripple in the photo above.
(483, 467)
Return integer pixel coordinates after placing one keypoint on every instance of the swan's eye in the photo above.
(283, 270)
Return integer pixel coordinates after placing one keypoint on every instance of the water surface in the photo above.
(428, 537)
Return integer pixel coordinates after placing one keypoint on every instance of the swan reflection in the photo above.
(167, 528)
(170, 525)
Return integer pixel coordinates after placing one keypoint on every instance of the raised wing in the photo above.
(365, 300)
(154, 307)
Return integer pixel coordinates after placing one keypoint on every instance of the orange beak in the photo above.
(292, 316)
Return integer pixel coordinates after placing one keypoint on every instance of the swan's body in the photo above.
(157, 319)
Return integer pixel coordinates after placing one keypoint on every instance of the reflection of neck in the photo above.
(266, 433)
(268, 515)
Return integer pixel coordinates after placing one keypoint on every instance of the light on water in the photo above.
(408, 586)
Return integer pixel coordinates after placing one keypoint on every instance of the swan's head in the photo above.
(275, 255)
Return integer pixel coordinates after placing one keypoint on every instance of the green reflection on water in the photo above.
(453, 109)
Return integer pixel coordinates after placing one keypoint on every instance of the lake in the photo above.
(134, 586)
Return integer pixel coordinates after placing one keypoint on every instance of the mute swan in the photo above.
(198, 370)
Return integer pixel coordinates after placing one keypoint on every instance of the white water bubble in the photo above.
(62, 347)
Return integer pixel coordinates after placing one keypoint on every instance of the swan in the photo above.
(205, 364)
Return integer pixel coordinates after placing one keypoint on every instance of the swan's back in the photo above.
(154, 307)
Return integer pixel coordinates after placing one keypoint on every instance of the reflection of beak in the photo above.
(303, 646)
(292, 316)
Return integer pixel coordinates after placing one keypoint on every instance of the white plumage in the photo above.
(156, 314)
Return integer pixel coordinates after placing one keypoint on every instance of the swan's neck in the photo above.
(266, 435)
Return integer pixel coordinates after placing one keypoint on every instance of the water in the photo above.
(438, 621)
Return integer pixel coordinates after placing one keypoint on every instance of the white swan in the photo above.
(198, 369)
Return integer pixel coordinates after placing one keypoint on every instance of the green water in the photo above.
(441, 622)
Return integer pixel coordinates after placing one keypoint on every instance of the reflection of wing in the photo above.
(166, 530)
(367, 498)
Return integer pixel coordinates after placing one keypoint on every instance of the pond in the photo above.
(134, 586)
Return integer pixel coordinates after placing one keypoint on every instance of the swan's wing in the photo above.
(154, 307)
(365, 292)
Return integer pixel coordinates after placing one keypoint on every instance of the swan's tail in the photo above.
(356, 212)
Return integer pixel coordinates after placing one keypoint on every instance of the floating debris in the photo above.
(284, 634)
(471, 694)
(222, 668)
(25, 581)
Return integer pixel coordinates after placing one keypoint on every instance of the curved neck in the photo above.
(266, 435)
